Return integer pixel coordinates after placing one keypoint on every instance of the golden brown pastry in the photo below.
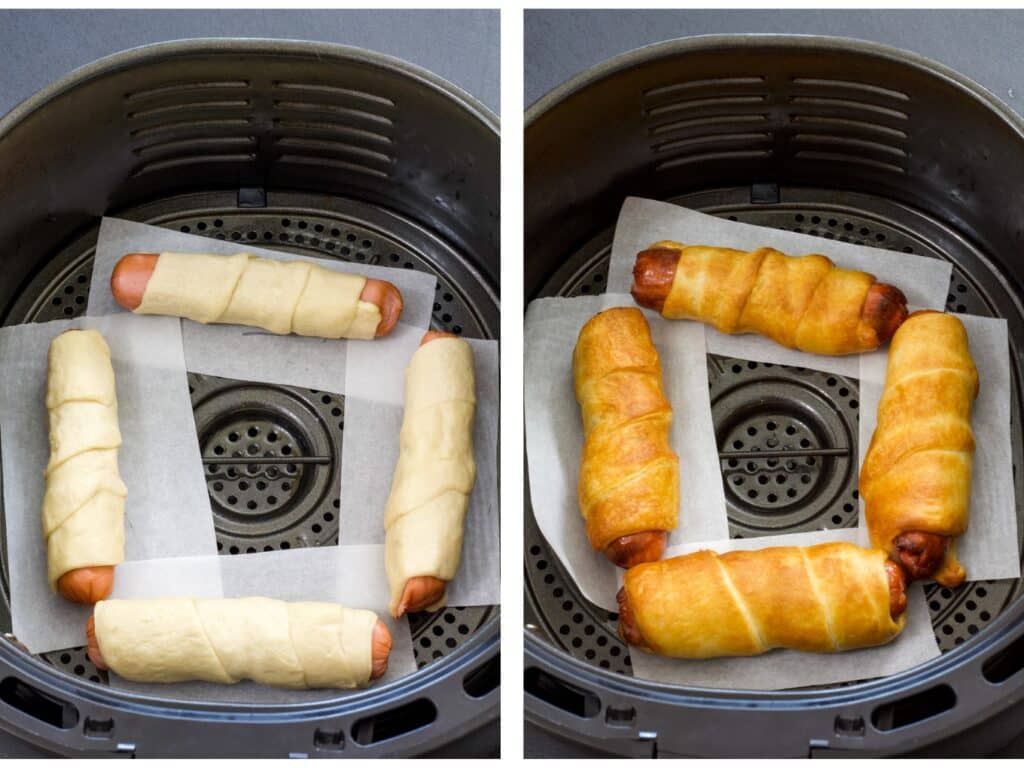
(823, 599)
(803, 302)
(629, 475)
(916, 478)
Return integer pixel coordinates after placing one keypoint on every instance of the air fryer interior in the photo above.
(312, 149)
(831, 138)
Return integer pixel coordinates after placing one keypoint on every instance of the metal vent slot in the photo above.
(839, 157)
(847, 125)
(713, 102)
(866, 88)
(713, 138)
(210, 105)
(177, 88)
(559, 694)
(738, 155)
(331, 109)
(726, 122)
(215, 143)
(831, 105)
(192, 127)
(392, 723)
(177, 162)
(714, 82)
(913, 709)
(319, 160)
(285, 127)
(848, 143)
(327, 145)
(35, 703)
(330, 90)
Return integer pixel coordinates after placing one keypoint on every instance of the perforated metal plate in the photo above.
(761, 407)
(292, 502)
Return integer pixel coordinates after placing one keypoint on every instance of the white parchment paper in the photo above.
(239, 352)
(989, 549)
(792, 669)
(352, 576)
(167, 509)
(375, 386)
(924, 281)
(554, 434)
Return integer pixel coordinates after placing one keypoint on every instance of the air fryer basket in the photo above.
(836, 138)
(310, 148)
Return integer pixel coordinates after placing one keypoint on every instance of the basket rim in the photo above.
(135, 56)
(718, 42)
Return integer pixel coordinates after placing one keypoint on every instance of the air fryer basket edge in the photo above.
(324, 729)
(617, 712)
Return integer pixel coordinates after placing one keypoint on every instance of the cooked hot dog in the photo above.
(921, 552)
(131, 276)
(629, 628)
(643, 547)
(381, 647)
(421, 592)
(87, 585)
(722, 273)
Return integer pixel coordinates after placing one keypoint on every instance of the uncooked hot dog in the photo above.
(422, 591)
(87, 585)
(131, 276)
(381, 647)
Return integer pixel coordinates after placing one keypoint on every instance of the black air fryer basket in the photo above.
(315, 149)
(841, 139)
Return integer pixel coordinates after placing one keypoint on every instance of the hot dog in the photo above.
(421, 592)
(87, 585)
(865, 327)
(921, 552)
(381, 647)
(643, 547)
(629, 629)
(132, 273)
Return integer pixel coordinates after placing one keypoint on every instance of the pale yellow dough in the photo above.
(278, 296)
(83, 504)
(288, 645)
(424, 516)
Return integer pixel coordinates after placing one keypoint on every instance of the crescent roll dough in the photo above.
(917, 471)
(288, 645)
(279, 296)
(800, 302)
(825, 598)
(83, 504)
(629, 474)
(424, 515)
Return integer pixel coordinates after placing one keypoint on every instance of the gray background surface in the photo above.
(40, 46)
(984, 45)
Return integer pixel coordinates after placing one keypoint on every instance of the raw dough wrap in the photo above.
(824, 598)
(629, 474)
(917, 471)
(279, 296)
(83, 504)
(424, 515)
(288, 645)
